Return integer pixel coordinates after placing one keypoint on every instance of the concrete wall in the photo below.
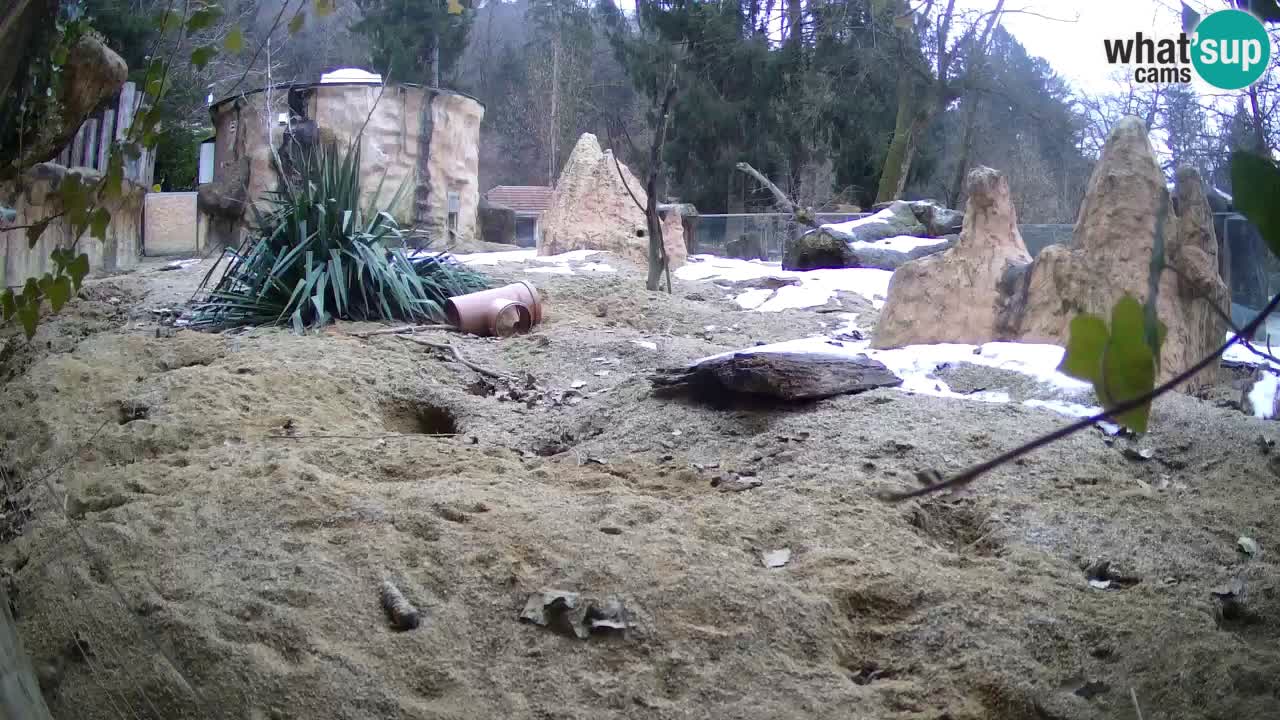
(171, 225)
(418, 142)
(38, 198)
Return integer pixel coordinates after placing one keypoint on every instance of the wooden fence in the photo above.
(91, 147)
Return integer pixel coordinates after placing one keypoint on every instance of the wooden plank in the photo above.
(124, 110)
(90, 143)
(77, 148)
(108, 134)
(19, 689)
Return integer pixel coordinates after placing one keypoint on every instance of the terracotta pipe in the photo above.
(511, 308)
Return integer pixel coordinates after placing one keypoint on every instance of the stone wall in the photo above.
(37, 198)
(419, 146)
(171, 225)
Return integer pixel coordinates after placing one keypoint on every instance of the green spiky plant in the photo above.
(314, 256)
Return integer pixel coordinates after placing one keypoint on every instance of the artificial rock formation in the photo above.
(592, 209)
(986, 288)
(959, 295)
(1110, 256)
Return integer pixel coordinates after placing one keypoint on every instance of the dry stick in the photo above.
(457, 355)
(779, 197)
(973, 473)
(1136, 707)
(391, 436)
(1222, 315)
(399, 330)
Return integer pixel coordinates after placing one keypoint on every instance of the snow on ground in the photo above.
(898, 243)
(815, 289)
(562, 264)
(849, 227)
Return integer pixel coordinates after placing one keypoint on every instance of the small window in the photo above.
(455, 204)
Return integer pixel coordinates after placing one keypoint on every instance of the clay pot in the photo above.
(500, 311)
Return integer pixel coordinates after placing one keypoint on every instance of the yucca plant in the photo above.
(314, 255)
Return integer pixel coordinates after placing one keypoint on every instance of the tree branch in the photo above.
(977, 471)
(779, 197)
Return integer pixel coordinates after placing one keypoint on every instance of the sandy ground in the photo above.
(246, 494)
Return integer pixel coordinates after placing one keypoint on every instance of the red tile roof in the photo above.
(521, 198)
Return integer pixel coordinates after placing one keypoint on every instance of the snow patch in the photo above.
(898, 243)
(815, 289)
(1262, 396)
(848, 227)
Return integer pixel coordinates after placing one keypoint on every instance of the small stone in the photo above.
(776, 558)
(611, 530)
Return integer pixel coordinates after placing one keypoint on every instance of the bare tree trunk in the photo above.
(1259, 128)
(966, 147)
(898, 160)
(784, 202)
(657, 249)
(555, 93)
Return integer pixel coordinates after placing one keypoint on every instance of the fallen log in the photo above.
(776, 376)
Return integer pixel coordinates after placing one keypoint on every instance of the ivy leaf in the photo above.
(1255, 185)
(167, 20)
(59, 292)
(1128, 366)
(201, 56)
(98, 223)
(324, 8)
(29, 307)
(29, 316)
(36, 230)
(203, 18)
(1086, 342)
(113, 186)
(74, 195)
(295, 25)
(234, 42)
(78, 269)
(455, 7)
(59, 54)
(8, 305)
(1118, 361)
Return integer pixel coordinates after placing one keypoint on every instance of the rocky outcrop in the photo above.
(1110, 256)
(860, 243)
(961, 295)
(596, 206)
(938, 220)
(827, 248)
(497, 223)
(92, 73)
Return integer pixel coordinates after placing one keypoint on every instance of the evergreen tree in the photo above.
(418, 41)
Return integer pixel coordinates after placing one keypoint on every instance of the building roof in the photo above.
(531, 199)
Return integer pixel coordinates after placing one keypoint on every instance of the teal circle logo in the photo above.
(1231, 49)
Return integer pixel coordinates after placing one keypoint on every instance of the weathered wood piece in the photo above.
(19, 690)
(777, 375)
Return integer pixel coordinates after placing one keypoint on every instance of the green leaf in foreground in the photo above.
(234, 42)
(59, 292)
(1118, 361)
(202, 55)
(1255, 185)
(78, 269)
(295, 25)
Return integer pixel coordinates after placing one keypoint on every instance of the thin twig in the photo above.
(1133, 695)
(973, 473)
(399, 330)
(1222, 315)
(449, 347)
(391, 436)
